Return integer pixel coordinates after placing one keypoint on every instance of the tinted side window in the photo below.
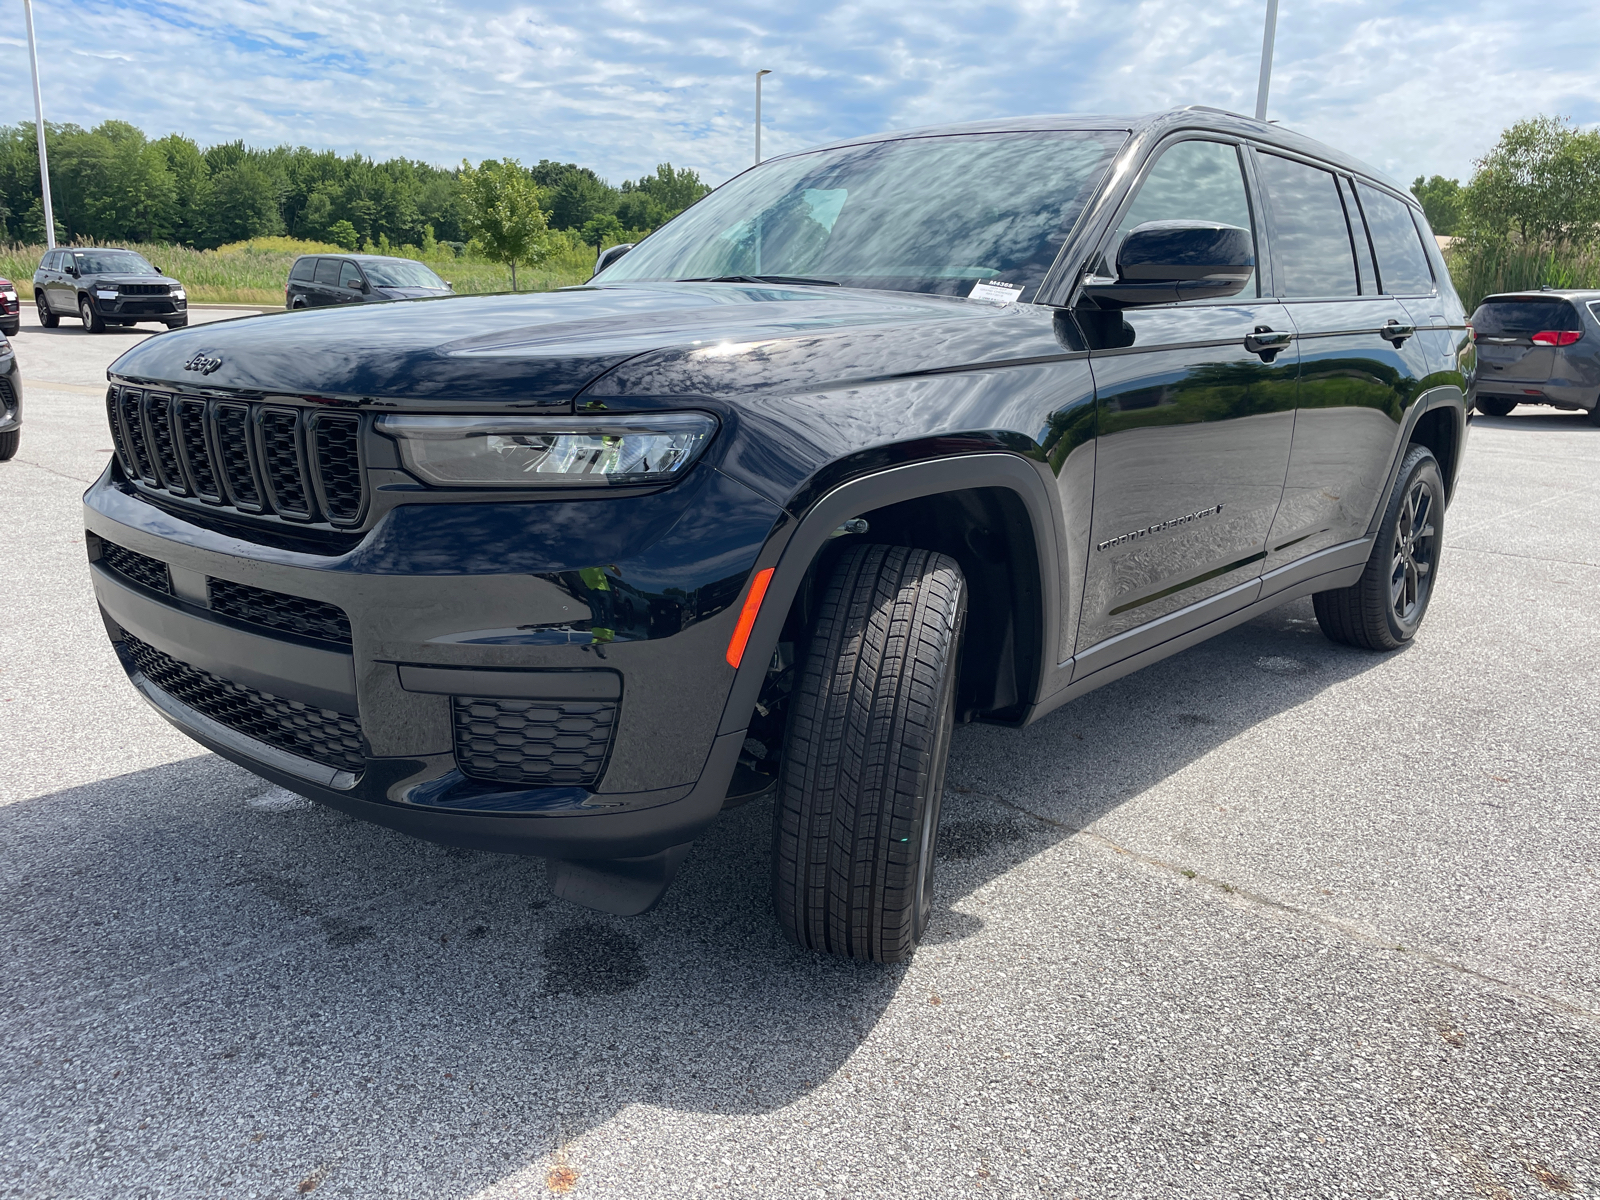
(1191, 181)
(327, 271)
(1402, 262)
(1310, 237)
(350, 276)
(303, 267)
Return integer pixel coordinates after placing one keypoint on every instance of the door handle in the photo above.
(1396, 332)
(1266, 342)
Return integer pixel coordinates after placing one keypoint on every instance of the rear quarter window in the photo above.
(1402, 262)
(303, 268)
(1519, 318)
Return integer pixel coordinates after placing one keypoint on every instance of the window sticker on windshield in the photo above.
(995, 292)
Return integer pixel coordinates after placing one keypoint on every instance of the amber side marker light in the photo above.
(747, 617)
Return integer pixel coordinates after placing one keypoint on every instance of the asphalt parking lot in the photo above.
(1273, 918)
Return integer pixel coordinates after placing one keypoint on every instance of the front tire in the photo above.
(180, 323)
(856, 821)
(93, 322)
(47, 318)
(1494, 406)
(1384, 608)
(9, 442)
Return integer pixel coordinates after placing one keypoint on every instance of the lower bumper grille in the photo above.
(277, 610)
(544, 743)
(141, 568)
(319, 734)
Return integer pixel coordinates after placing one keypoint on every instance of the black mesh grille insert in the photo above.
(192, 438)
(133, 430)
(338, 441)
(117, 440)
(291, 614)
(281, 460)
(140, 568)
(233, 444)
(549, 743)
(315, 733)
(158, 410)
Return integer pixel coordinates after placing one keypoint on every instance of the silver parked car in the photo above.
(1539, 348)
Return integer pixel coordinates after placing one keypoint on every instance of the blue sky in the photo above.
(623, 84)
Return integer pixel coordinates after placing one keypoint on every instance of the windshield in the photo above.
(111, 262)
(401, 274)
(1511, 318)
(932, 214)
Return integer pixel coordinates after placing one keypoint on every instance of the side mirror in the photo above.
(610, 255)
(1160, 262)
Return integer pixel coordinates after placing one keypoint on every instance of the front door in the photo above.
(1193, 431)
(1361, 363)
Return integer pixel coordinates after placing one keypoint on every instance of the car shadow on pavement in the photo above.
(1538, 419)
(201, 964)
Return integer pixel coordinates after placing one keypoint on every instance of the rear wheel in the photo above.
(857, 815)
(9, 443)
(92, 321)
(1383, 609)
(46, 318)
(1495, 406)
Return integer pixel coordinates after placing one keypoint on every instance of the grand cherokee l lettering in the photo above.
(914, 429)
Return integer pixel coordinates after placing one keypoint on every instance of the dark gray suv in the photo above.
(324, 280)
(104, 286)
(1539, 348)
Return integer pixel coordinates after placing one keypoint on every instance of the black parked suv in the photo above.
(323, 280)
(105, 286)
(913, 429)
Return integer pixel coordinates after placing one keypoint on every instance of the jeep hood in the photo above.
(541, 350)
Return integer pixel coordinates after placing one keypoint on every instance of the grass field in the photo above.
(254, 272)
(1480, 270)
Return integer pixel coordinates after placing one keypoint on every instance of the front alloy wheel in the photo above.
(92, 321)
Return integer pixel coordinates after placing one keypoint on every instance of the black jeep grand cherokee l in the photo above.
(104, 286)
(914, 429)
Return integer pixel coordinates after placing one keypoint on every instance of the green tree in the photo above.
(342, 233)
(578, 198)
(1441, 201)
(1541, 182)
(501, 201)
(599, 230)
(244, 204)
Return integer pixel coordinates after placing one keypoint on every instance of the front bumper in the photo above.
(451, 622)
(142, 308)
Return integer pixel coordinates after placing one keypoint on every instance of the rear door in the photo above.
(1510, 362)
(1193, 429)
(1355, 381)
(300, 277)
(324, 287)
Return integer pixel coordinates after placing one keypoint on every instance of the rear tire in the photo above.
(93, 322)
(856, 821)
(1494, 406)
(47, 318)
(1384, 608)
(9, 443)
(1594, 415)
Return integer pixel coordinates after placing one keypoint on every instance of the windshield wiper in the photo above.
(764, 279)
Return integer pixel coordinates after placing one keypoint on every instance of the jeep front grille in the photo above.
(542, 743)
(303, 465)
(319, 734)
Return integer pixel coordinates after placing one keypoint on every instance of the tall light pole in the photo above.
(1266, 60)
(38, 124)
(759, 74)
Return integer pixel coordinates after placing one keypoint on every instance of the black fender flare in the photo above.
(1444, 396)
(791, 557)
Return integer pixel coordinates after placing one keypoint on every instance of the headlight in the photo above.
(112, 295)
(576, 451)
(179, 294)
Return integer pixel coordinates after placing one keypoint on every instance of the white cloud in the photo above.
(622, 85)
